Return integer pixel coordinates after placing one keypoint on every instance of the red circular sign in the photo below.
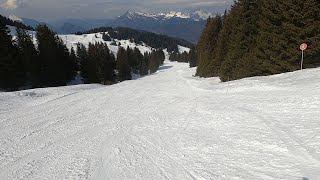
(303, 46)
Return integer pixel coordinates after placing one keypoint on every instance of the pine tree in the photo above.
(207, 44)
(109, 65)
(82, 56)
(29, 57)
(56, 68)
(123, 66)
(74, 62)
(260, 37)
(95, 63)
(272, 51)
(155, 58)
(223, 42)
(133, 58)
(192, 58)
(11, 67)
(140, 66)
(173, 56)
(144, 68)
(310, 32)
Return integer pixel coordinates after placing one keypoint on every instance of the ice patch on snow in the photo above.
(31, 94)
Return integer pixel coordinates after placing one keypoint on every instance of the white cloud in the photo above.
(11, 4)
(61, 9)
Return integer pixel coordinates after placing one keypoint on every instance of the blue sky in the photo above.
(59, 9)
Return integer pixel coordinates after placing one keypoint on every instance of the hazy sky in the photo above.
(58, 9)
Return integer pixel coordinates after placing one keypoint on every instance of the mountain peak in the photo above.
(15, 18)
(134, 15)
(200, 14)
(174, 14)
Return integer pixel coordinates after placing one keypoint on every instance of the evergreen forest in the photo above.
(50, 63)
(259, 38)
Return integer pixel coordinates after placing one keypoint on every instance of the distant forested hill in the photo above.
(138, 36)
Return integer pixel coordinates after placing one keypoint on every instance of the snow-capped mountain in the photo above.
(174, 14)
(14, 18)
(196, 16)
(137, 15)
(201, 15)
(182, 25)
(177, 24)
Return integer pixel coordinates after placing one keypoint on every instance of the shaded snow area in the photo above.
(169, 125)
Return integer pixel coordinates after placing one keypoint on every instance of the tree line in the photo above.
(97, 63)
(185, 57)
(259, 37)
(24, 65)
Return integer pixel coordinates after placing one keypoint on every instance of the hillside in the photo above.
(144, 41)
(154, 40)
(169, 125)
(10, 22)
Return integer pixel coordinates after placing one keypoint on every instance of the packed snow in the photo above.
(168, 125)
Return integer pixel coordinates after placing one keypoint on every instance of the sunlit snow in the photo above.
(168, 125)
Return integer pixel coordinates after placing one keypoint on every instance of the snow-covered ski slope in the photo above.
(169, 125)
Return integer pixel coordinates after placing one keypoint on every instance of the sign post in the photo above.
(303, 47)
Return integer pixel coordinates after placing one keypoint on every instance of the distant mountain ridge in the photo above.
(195, 16)
(182, 25)
(187, 26)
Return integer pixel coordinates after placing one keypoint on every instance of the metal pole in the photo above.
(302, 61)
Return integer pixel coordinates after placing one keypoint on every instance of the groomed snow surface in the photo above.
(169, 125)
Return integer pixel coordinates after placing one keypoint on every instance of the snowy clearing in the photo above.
(72, 41)
(169, 125)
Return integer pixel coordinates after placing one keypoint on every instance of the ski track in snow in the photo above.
(168, 125)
